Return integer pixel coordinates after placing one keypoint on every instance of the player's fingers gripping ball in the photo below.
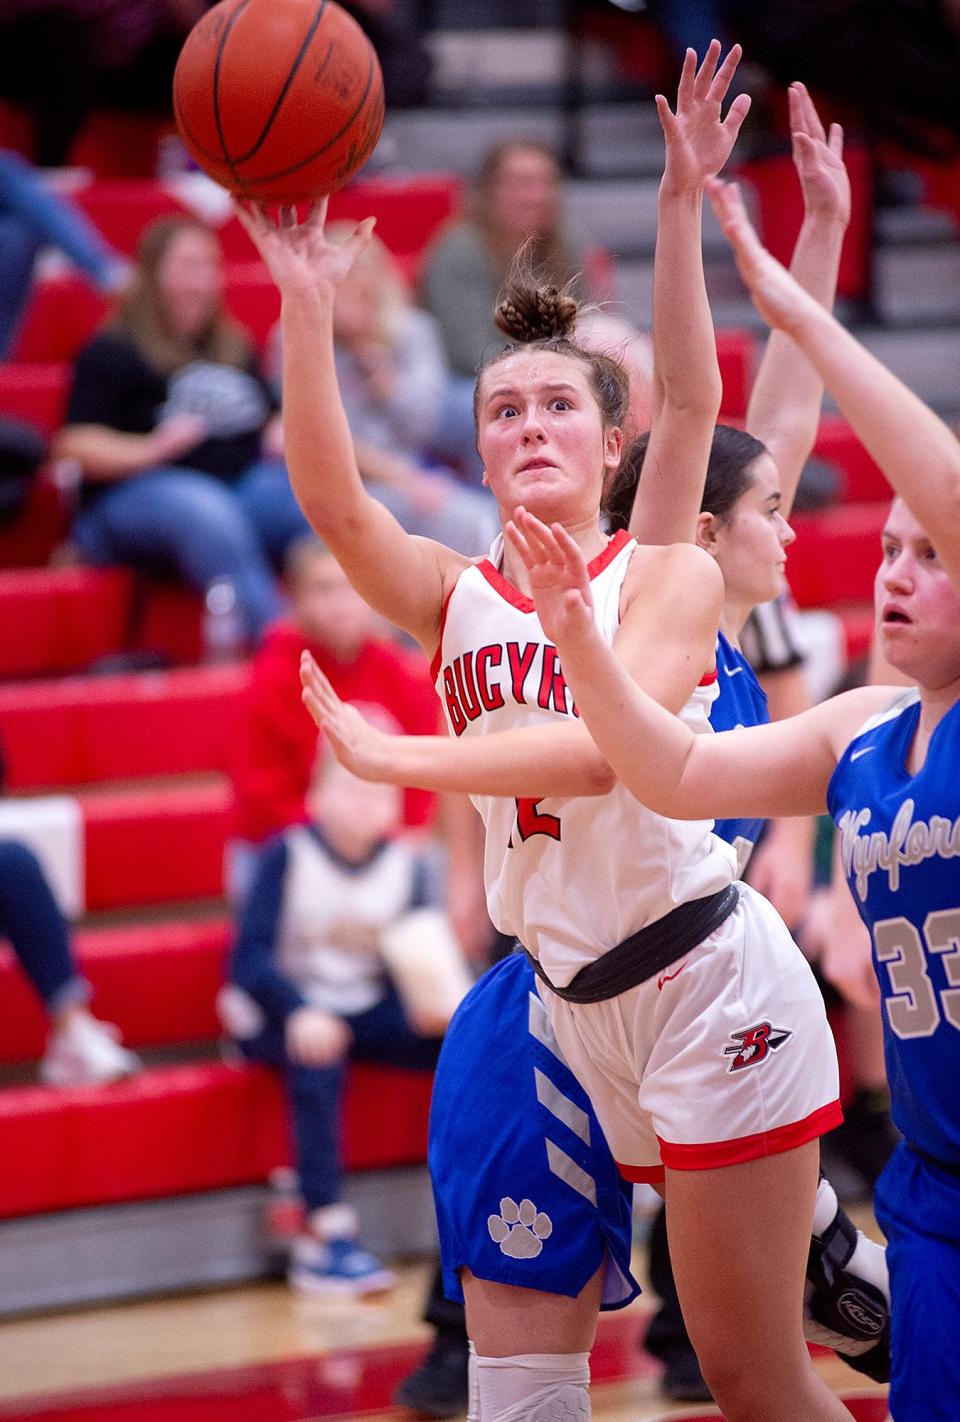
(278, 100)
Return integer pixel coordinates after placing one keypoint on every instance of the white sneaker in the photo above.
(86, 1052)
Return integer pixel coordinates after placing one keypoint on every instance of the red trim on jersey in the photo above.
(708, 1156)
(708, 678)
(520, 600)
(642, 1174)
(437, 660)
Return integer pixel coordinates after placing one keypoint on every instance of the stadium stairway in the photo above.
(158, 1182)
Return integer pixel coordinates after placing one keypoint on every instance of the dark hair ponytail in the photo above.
(732, 452)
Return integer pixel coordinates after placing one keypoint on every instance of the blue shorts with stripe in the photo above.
(917, 1206)
(526, 1190)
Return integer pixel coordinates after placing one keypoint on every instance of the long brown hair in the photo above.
(140, 311)
(550, 251)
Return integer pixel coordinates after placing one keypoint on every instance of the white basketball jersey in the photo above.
(570, 877)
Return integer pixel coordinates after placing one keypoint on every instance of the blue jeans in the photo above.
(190, 521)
(35, 928)
(271, 506)
(382, 1034)
(31, 217)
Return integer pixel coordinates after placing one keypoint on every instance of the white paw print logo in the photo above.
(519, 1229)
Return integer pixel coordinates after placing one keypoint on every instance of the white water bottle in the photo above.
(223, 638)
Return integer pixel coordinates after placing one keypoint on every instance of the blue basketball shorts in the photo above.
(917, 1206)
(526, 1190)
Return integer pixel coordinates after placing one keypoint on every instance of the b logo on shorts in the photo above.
(755, 1044)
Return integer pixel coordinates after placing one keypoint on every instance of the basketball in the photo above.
(278, 100)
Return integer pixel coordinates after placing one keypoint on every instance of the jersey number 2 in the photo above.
(914, 1010)
(530, 821)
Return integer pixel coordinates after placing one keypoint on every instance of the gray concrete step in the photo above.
(613, 138)
(918, 284)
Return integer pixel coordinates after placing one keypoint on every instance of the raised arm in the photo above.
(687, 389)
(403, 577)
(784, 409)
(914, 448)
(681, 584)
(779, 769)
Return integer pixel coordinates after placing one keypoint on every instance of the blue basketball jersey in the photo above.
(742, 701)
(900, 851)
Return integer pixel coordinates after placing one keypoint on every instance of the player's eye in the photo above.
(506, 411)
(560, 404)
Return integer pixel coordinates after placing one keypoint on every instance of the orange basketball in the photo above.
(278, 100)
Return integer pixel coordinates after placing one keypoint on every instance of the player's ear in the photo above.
(707, 533)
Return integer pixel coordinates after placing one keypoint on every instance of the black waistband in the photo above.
(648, 951)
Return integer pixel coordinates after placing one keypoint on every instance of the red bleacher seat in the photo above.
(780, 201)
(59, 620)
(863, 479)
(122, 208)
(151, 846)
(165, 1132)
(81, 729)
(54, 621)
(156, 981)
(63, 314)
(409, 210)
(252, 299)
(836, 555)
(36, 392)
(735, 356)
(31, 538)
(175, 1130)
(858, 619)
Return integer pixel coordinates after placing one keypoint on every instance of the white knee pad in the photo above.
(535, 1387)
(473, 1387)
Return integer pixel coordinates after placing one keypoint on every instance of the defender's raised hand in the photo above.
(559, 581)
(818, 158)
(299, 255)
(698, 140)
(780, 299)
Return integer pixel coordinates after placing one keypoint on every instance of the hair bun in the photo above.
(535, 313)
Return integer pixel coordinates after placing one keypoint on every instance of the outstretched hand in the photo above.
(698, 140)
(299, 255)
(559, 581)
(358, 746)
(818, 159)
(780, 299)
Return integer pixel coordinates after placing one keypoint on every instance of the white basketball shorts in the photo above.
(723, 1057)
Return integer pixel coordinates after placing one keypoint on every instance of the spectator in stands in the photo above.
(33, 215)
(60, 58)
(80, 1051)
(516, 199)
(394, 378)
(277, 741)
(309, 989)
(177, 434)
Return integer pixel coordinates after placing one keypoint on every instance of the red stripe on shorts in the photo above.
(782, 1138)
(642, 1174)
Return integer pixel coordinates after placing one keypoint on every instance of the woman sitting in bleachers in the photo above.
(177, 433)
(395, 381)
